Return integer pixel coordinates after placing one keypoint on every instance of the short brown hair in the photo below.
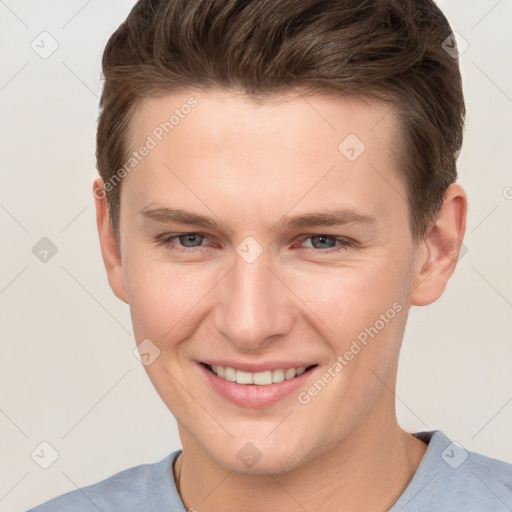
(388, 50)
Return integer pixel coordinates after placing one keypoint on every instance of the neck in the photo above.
(367, 471)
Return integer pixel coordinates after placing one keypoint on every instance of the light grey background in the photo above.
(67, 369)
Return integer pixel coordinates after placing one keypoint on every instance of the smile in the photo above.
(263, 378)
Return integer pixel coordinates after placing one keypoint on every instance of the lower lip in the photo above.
(252, 395)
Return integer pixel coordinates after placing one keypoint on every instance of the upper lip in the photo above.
(258, 367)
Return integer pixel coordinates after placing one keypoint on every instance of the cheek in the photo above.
(350, 298)
(163, 297)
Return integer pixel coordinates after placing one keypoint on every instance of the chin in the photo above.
(259, 457)
(269, 463)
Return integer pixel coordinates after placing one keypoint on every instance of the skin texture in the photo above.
(249, 165)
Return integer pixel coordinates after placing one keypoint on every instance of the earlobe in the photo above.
(441, 248)
(108, 241)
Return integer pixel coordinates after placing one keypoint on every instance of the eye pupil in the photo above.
(322, 239)
(190, 238)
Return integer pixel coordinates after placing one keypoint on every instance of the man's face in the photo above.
(256, 290)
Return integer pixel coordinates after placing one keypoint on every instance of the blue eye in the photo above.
(190, 239)
(322, 240)
(318, 243)
(190, 242)
(185, 240)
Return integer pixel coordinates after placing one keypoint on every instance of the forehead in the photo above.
(287, 117)
(276, 151)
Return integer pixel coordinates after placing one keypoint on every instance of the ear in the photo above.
(108, 242)
(439, 251)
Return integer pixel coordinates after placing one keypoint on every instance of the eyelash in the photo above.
(166, 241)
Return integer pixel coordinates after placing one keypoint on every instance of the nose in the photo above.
(254, 307)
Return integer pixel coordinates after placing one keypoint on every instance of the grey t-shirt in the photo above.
(449, 479)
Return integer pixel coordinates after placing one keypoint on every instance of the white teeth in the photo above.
(277, 375)
(244, 377)
(263, 378)
(290, 373)
(230, 374)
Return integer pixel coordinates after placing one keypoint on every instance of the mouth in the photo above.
(262, 378)
(256, 390)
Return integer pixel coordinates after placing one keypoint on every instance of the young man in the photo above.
(277, 190)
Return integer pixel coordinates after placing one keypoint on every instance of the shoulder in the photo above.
(453, 478)
(457, 465)
(128, 490)
(485, 481)
(496, 469)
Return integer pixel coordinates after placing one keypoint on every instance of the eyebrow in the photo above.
(336, 217)
(166, 215)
